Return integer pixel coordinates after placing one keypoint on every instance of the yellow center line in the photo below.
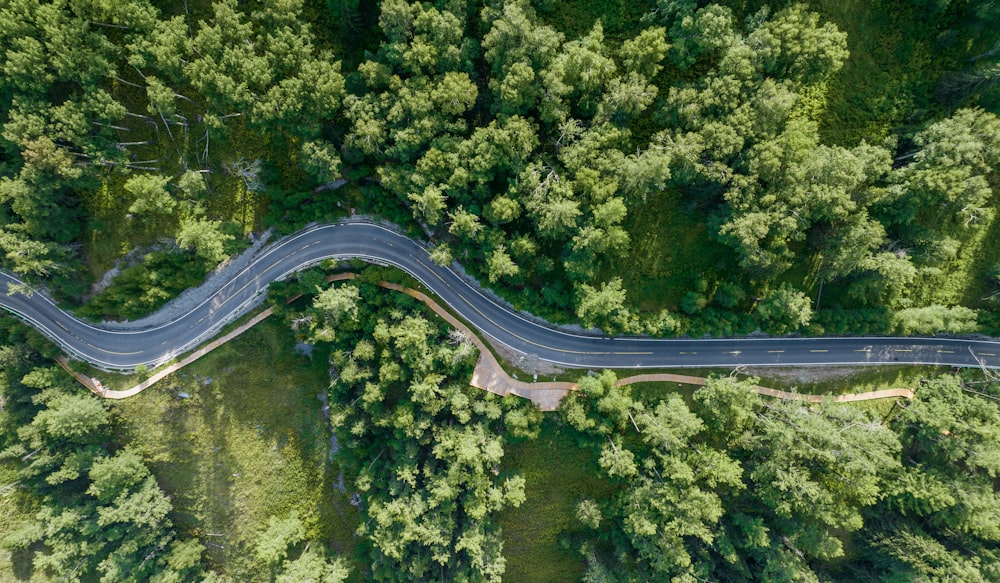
(863, 350)
(108, 351)
(902, 350)
(819, 351)
(237, 292)
(431, 270)
(523, 339)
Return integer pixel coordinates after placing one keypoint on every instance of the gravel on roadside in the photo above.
(193, 296)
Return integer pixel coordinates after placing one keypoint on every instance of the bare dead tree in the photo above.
(249, 172)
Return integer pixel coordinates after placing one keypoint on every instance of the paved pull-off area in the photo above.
(127, 349)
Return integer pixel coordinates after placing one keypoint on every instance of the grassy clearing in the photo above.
(671, 248)
(558, 474)
(896, 59)
(248, 444)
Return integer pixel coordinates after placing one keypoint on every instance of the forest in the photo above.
(660, 167)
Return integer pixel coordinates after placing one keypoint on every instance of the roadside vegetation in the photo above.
(664, 167)
(653, 167)
(426, 475)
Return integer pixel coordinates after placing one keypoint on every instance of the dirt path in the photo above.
(488, 374)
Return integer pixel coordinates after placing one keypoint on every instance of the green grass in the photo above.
(575, 18)
(896, 59)
(671, 248)
(250, 443)
(558, 473)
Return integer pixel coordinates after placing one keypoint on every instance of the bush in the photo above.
(142, 289)
(936, 318)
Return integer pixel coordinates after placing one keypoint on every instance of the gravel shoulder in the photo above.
(193, 296)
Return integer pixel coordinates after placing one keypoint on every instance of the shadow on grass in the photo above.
(248, 443)
(558, 473)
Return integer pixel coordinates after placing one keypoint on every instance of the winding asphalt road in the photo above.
(127, 349)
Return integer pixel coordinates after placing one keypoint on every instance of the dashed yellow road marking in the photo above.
(819, 351)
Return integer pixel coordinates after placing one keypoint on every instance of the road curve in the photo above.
(127, 349)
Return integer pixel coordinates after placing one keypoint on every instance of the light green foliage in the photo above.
(785, 310)
(949, 168)
(280, 534)
(151, 196)
(321, 160)
(111, 476)
(645, 53)
(723, 488)
(205, 237)
(441, 255)
(71, 418)
(500, 265)
(942, 502)
(338, 302)
(429, 204)
(334, 308)
(794, 46)
(192, 184)
(935, 318)
(97, 514)
(465, 225)
(27, 256)
(942, 200)
(422, 446)
(604, 307)
(312, 567)
(589, 513)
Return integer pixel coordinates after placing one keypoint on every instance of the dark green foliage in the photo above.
(524, 137)
(144, 287)
(421, 444)
(743, 166)
(99, 513)
(736, 487)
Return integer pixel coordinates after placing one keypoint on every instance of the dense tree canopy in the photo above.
(663, 167)
(523, 151)
(734, 487)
